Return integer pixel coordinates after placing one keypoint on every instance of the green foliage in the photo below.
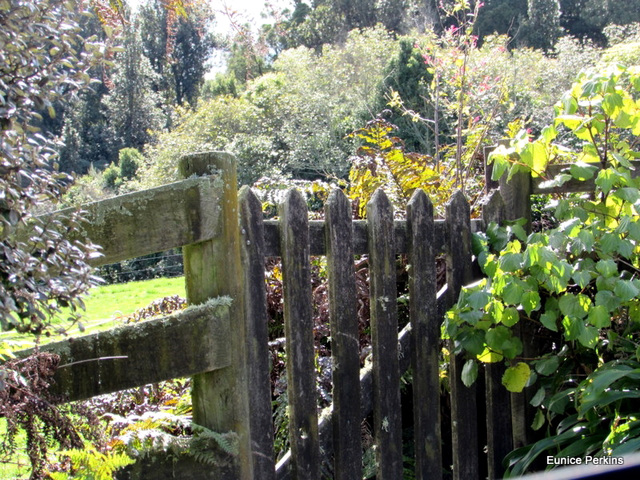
(293, 120)
(129, 159)
(577, 282)
(382, 162)
(45, 60)
(178, 45)
(90, 464)
(168, 434)
(131, 104)
(407, 76)
(542, 27)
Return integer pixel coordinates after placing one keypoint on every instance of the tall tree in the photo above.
(501, 17)
(132, 106)
(178, 46)
(408, 76)
(542, 27)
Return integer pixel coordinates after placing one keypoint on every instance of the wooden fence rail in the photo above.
(225, 347)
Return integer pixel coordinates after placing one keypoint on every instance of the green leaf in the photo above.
(625, 290)
(510, 316)
(572, 122)
(599, 317)
(512, 293)
(478, 300)
(511, 262)
(549, 133)
(549, 320)
(628, 194)
(489, 356)
(612, 104)
(582, 278)
(583, 171)
(574, 305)
(604, 398)
(557, 181)
(515, 378)
(589, 336)
(538, 398)
(538, 419)
(530, 302)
(497, 336)
(548, 365)
(608, 300)
(512, 347)
(469, 372)
(572, 327)
(607, 268)
(472, 340)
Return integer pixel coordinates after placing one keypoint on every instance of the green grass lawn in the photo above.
(107, 305)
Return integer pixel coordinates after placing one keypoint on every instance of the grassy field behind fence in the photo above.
(107, 305)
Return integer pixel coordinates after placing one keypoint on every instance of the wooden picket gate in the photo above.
(226, 347)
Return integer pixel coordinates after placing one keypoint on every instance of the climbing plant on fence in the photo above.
(578, 283)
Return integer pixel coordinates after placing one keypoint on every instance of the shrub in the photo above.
(578, 283)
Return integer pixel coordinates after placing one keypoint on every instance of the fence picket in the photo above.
(425, 337)
(464, 425)
(252, 257)
(344, 339)
(499, 435)
(298, 322)
(387, 415)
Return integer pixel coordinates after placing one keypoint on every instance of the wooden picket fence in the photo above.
(223, 344)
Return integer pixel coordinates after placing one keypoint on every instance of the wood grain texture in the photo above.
(463, 399)
(425, 336)
(387, 413)
(258, 358)
(213, 268)
(298, 323)
(344, 339)
(175, 346)
(154, 220)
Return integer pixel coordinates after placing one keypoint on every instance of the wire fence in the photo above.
(158, 265)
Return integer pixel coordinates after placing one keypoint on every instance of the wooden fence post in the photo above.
(298, 326)
(252, 254)
(344, 338)
(464, 416)
(387, 414)
(499, 429)
(425, 337)
(213, 268)
(516, 194)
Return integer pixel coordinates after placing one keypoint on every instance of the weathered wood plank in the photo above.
(298, 322)
(344, 339)
(175, 346)
(516, 194)
(359, 235)
(154, 220)
(517, 198)
(463, 399)
(387, 416)
(252, 255)
(425, 336)
(499, 429)
(212, 268)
